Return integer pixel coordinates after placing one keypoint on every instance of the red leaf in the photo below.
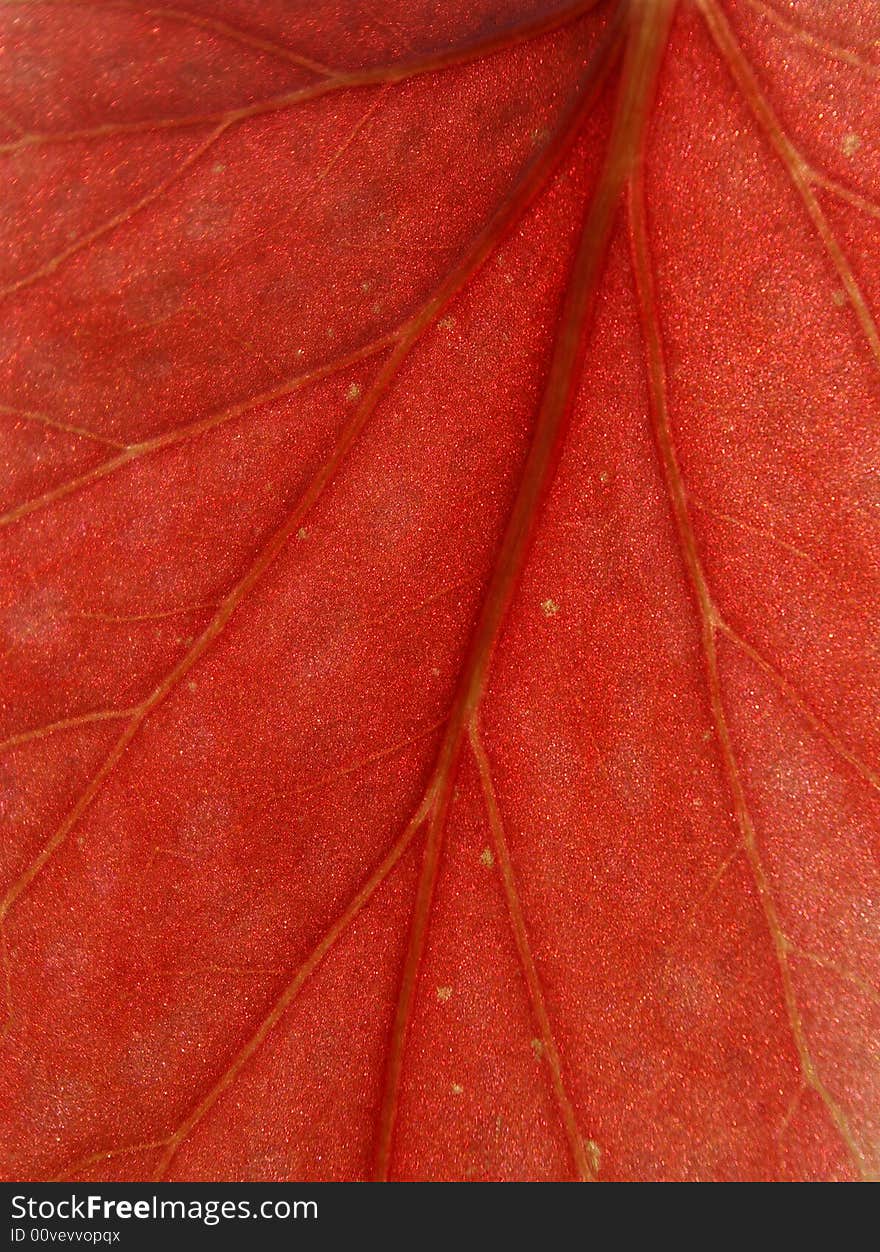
(439, 589)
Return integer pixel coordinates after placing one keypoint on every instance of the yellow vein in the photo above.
(825, 46)
(507, 214)
(644, 43)
(118, 219)
(709, 624)
(268, 225)
(795, 166)
(761, 533)
(585, 1170)
(832, 967)
(65, 723)
(342, 81)
(158, 616)
(364, 762)
(394, 611)
(173, 1142)
(55, 423)
(831, 577)
(232, 34)
(833, 740)
(862, 203)
(434, 803)
(158, 443)
(704, 897)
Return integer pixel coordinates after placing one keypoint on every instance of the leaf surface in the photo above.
(438, 590)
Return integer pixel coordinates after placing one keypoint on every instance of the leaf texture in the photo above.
(439, 588)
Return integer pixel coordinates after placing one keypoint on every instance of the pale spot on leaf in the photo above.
(851, 144)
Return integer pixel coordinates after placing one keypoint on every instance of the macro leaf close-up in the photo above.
(439, 590)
